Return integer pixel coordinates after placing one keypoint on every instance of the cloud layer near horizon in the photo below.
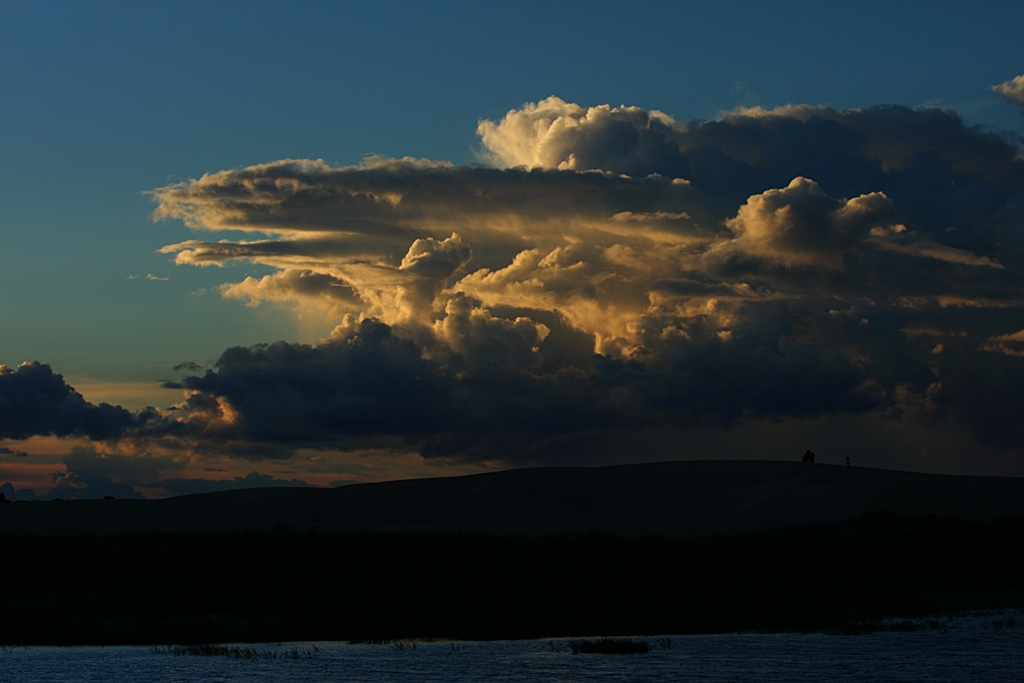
(613, 269)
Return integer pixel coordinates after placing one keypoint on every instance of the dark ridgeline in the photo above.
(297, 584)
(693, 498)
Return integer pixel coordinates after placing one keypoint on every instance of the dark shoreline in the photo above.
(273, 587)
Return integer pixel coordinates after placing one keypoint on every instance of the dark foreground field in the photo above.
(232, 587)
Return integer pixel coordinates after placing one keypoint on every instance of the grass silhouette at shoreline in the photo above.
(609, 646)
(235, 652)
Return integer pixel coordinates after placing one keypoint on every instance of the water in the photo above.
(970, 648)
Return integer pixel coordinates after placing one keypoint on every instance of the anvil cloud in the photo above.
(606, 268)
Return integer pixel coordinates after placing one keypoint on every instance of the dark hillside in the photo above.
(673, 499)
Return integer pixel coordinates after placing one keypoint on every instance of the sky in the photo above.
(283, 243)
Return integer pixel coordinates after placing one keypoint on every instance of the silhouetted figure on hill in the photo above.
(847, 461)
(808, 455)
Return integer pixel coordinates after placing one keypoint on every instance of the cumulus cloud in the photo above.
(88, 484)
(613, 268)
(136, 468)
(90, 473)
(557, 134)
(433, 259)
(482, 340)
(802, 226)
(1013, 89)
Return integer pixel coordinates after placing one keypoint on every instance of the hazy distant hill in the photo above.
(672, 498)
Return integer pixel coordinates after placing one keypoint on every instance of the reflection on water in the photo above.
(977, 648)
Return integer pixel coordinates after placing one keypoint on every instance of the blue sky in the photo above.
(104, 101)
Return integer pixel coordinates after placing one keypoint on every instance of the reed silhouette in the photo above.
(609, 646)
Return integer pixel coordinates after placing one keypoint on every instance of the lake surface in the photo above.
(976, 648)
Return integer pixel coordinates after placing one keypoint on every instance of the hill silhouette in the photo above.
(691, 498)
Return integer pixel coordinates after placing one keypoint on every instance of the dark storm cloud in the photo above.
(373, 383)
(370, 382)
(35, 401)
(364, 383)
(616, 269)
